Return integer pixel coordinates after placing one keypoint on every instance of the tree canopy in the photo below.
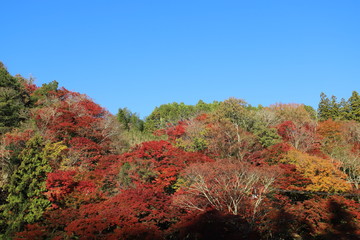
(224, 170)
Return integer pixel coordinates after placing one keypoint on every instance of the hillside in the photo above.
(223, 170)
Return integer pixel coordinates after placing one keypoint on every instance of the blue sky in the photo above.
(141, 54)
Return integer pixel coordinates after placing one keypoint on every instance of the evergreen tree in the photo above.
(12, 101)
(130, 120)
(354, 105)
(267, 136)
(6, 80)
(26, 201)
(324, 110)
(344, 109)
(123, 117)
(334, 108)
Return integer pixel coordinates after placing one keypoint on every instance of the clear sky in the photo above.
(141, 54)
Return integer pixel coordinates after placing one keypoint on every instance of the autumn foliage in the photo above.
(226, 170)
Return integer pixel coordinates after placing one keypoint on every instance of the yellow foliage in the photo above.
(55, 154)
(323, 173)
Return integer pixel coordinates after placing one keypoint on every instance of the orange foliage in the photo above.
(323, 173)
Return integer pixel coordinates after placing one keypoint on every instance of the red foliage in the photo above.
(73, 116)
(59, 184)
(272, 154)
(202, 117)
(300, 136)
(325, 216)
(87, 152)
(128, 214)
(18, 138)
(172, 131)
(332, 217)
(284, 130)
(30, 88)
(96, 195)
(13, 143)
(291, 179)
(162, 161)
(31, 232)
(177, 131)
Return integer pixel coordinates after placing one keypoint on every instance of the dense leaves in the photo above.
(224, 170)
(14, 99)
(26, 201)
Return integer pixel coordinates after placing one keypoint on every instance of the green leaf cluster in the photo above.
(244, 116)
(129, 120)
(172, 113)
(26, 201)
(13, 101)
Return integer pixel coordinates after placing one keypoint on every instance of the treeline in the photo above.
(223, 170)
(164, 115)
(343, 110)
(172, 113)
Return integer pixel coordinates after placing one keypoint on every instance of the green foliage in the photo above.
(237, 111)
(354, 105)
(266, 136)
(345, 110)
(135, 137)
(199, 144)
(195, 142)
(12, 101)
(311, 111)
(203, 107)
(123, 176)
(11, 109)
(172, 113)
(103, 190)
(6, 80)
(324, 109)
(44, 91)
(244, 116)
(26, 201)
(129, 120)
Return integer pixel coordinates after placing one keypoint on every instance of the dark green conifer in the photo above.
(26, 202)
(344, 109)
(12, 101)
(354, 105)
(324, 110)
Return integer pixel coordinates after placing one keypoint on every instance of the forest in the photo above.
(69, 169)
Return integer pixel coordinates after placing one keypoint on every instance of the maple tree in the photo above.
(224, 186)
(300, 136)
(158, 163)
(323, 173)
